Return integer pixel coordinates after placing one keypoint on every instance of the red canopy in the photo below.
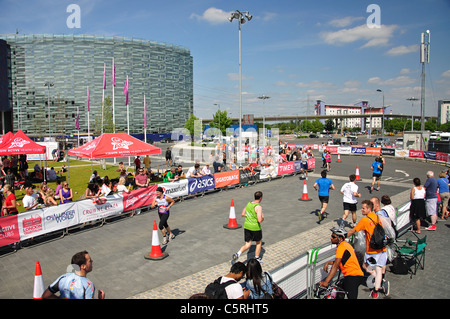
(114, 145)
(5, 138)
(20, 143)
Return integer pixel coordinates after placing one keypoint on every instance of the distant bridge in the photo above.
(325, 117)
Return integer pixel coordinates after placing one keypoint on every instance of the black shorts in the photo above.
(324, 199)
(252, 235)
(377, 176)
(349, 206)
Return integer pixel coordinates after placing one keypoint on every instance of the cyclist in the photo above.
(347, 261)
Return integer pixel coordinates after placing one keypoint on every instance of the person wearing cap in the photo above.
(30, 200)
(348, 263)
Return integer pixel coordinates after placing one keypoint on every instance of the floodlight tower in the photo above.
(241, 17)
(424, 58)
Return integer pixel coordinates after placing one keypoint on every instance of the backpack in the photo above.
(378, 238)
(216, 290)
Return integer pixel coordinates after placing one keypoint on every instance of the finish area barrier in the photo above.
(48, 220)
(299, 277)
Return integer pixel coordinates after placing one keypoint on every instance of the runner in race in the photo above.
(252, 227)
(163, 202)
(323, 185)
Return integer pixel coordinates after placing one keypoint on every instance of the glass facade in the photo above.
(73, 63)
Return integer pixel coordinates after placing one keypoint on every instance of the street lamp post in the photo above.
(412, 99)
(219, 118)
(264, 98)
(48, 84)
(240, 16)
(382, 117)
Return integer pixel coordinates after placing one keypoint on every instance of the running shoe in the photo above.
(432, 227)
(378, 189)
(373, 294)
(260, 260)
(164, 241)
(171, 237)
(234, 258)
(320, 216)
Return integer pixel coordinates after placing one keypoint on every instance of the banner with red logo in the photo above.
(286, 168)
(139, 197)
(415, 154)
(9, 230)
(311, 163)
(226, 178)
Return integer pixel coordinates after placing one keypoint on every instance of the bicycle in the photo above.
(333, 291)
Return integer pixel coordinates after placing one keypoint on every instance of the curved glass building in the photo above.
(51, 73)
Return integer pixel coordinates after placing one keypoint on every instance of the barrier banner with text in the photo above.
(201, 184)
(175, 189)
(224, 179)
(139, 197)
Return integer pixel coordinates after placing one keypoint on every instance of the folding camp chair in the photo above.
(413, 251)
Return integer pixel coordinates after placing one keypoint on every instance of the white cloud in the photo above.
(344, 22)
(398, 81)
(446, 74)
(403, 49)
(212, 16)
(352, 84)
(373, 36)
(312, 84)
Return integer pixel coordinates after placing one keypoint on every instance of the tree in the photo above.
(221, 118)
(190, 125)
(329, 125)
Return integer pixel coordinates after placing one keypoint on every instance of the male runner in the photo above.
(252, 227)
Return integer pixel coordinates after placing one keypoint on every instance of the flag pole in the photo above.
(145, 120)
(103, 91)
(125, 91)
(113, 106)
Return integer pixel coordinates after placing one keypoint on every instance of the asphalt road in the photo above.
(118, 248)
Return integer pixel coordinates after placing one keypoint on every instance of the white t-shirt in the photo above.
(234, 291)
(348, 189)
(191, 171)
(30, 200)
(122, 188)
(390, 210)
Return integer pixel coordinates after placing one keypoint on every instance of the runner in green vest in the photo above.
(252, 227)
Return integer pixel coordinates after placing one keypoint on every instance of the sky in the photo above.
(295, 52)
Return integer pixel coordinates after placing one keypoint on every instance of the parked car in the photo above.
(399, 142)
(313, 136)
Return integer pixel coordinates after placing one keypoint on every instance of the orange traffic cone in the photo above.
(305, 193)
(339, 158)
(357, 173)
(38, 289)
(232, 223)
(156, 252)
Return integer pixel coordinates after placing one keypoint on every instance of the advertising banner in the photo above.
(332, 149)
(248, 176)
(429, 155)
(104, 207)
(200, 184)
(415, 154)
(43, 221)
(359, 150)
(344, 149)
(286, 168)
(298, 166)
(139, 197)
(401, 153)
(388, 151)
(373, 150)
(176, 189)
(224, 179)
(441, 156)
(9, 230)
(270, 171)
(311, 163)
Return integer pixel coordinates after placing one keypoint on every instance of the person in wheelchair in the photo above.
(348, 263)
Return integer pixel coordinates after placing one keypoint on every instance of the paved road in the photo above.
(118, 248)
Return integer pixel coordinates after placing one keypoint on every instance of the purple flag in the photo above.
(77, 121)
(104, 76)
(125, 91)
(114, 74)
(145, 113)
(88, 103)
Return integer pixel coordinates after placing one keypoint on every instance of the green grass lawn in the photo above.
(78, 175)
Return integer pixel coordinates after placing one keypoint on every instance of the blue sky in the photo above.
(293, 51)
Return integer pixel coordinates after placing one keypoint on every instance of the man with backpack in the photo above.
(375, 256)
(227, 287)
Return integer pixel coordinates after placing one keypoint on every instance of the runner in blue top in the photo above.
(377, 168)
(74, 285)
(323, 185)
